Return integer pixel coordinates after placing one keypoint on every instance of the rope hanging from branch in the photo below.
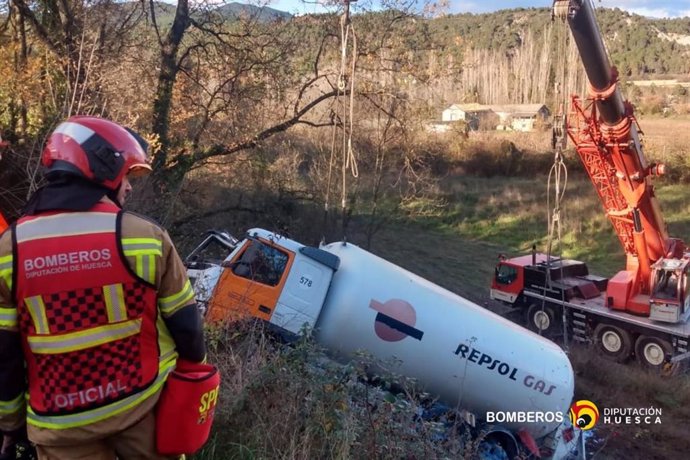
(343, 114)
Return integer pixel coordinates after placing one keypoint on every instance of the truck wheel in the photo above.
(498, 443)
(613, 342)
(651, 352)
(542, 321)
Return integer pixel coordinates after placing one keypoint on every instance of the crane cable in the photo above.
(349, 160)
(558, 174)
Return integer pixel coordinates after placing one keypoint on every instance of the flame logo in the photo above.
(584, 414)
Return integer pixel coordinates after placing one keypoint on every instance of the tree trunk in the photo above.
(166, 80)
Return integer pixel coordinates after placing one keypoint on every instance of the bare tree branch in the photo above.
(41, 31)
(221, 150)
(155, 23)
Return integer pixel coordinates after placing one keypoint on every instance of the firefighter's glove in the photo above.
(24, 450)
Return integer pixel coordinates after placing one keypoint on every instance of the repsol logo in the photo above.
(66, 258)
(483, 359)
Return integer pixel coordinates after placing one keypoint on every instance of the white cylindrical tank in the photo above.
(466, 355)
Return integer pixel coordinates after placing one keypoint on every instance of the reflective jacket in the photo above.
(91, 334)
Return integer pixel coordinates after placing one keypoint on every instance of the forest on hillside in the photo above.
(639, 46)
(274, 110)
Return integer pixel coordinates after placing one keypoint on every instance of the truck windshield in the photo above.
(666, 285)
(505, 274)
(261, 263)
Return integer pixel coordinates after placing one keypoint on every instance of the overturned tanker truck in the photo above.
(352, 300)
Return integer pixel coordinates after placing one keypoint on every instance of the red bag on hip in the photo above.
(184, 414)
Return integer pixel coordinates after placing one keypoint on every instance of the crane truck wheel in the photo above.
(542, 321)
(652, 352)
(613, 342)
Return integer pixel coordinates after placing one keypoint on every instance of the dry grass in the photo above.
(614, 385)
(489, 153)
(293, 402)
(668, 140)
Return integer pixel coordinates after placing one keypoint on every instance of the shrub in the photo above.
(292, 401)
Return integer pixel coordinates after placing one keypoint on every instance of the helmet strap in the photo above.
(105, 163)
(112, 194)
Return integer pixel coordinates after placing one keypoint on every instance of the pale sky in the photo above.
(651, 8)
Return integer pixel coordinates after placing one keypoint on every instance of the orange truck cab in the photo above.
(265, 276)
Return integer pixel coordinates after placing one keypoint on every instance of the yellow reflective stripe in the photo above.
(143, 241)
(145, 268)
(10, 407)
(115, 303)
(6, 270)
(70, 224)
(166, 344)
(143, 252)
(8, 317)
(142, 246)
(80, 340)
(171, 304)
(148, 269)
(102, 413)
(37, 310)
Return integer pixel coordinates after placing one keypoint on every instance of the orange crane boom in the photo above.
(607, 138)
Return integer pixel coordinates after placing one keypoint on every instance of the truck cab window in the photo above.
(261, 263)
(667, 285)
(212, 251)
(505, 274)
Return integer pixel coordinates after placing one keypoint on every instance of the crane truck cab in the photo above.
(560, 297)
(670, 294)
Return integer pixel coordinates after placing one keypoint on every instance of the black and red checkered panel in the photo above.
(113, 369)
(135, 298)
(69, 311)
(26, 324)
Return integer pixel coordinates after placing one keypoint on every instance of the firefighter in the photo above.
(95, 303)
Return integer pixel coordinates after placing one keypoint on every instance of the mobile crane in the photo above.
(643, 309)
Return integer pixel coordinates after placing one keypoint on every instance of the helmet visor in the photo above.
(139, 170)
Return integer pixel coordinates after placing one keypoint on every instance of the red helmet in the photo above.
(97, 149)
